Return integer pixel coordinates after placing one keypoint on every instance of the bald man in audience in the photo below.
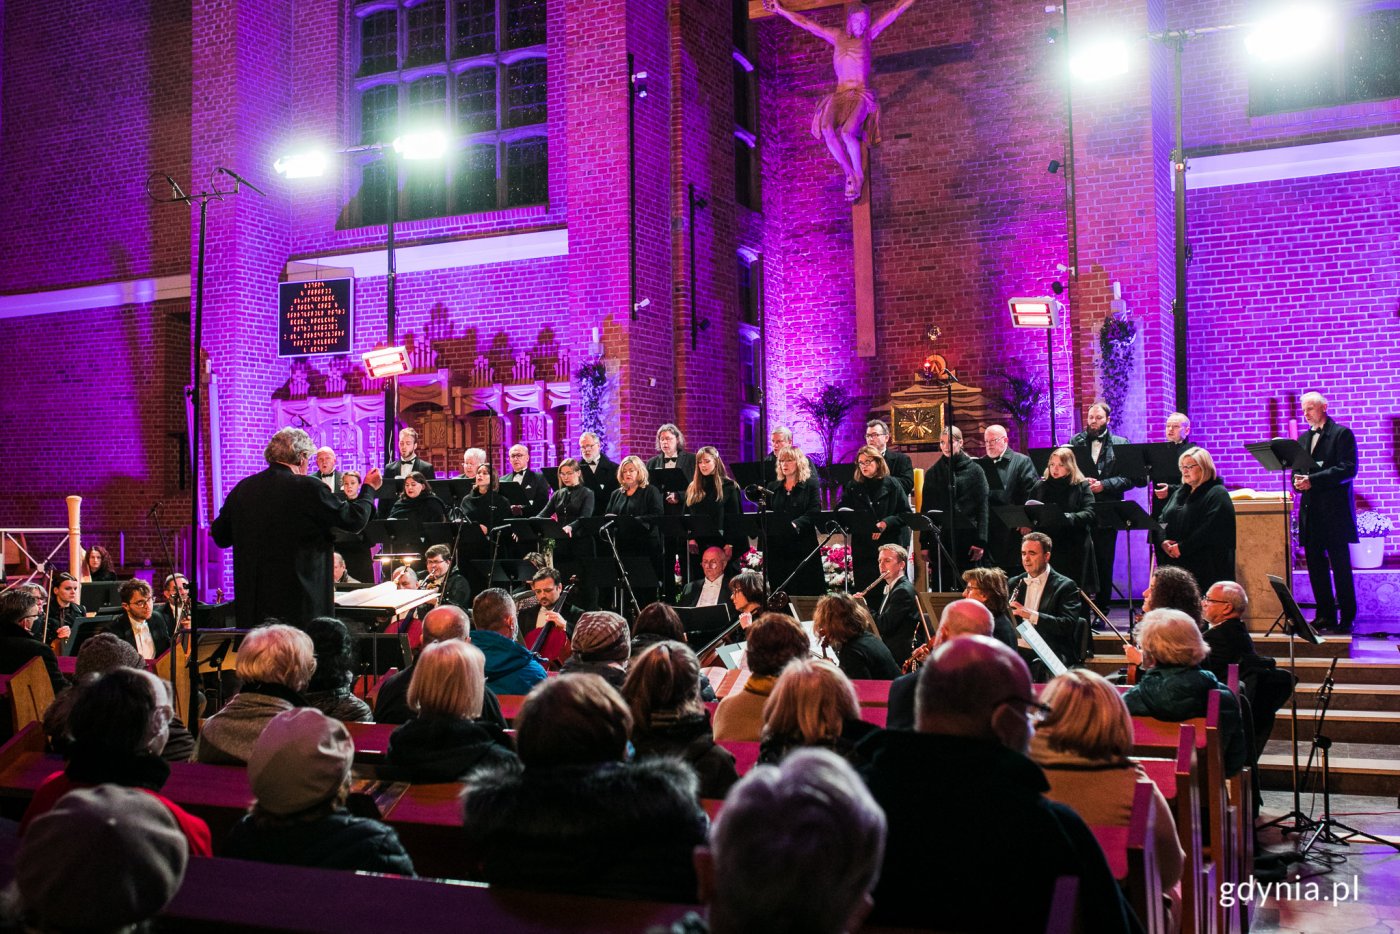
(442, 624)
(960, 618)
(974, 844)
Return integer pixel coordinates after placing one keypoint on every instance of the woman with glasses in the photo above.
(1200, 522)
(988, 587)
(872, 490)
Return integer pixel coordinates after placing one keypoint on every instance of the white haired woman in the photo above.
(275, 664)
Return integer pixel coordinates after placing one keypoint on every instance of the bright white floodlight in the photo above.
(301, 165)
(428, 145)
(1293, 33)
(1101, 60)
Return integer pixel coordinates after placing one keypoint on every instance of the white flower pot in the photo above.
(1369, 552)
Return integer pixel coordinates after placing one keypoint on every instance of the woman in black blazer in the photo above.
(874, 491)
(712, 495)
(571, 502)
(791, 526)
(1064, 486)
(637, 498)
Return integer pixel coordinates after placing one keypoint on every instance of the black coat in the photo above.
(690, 739)
(690, 595)
(1000, 797)
(537, 488)
(157, 624)
(602, 480)
(728, 516)
(901, 468)
(489, 509)
(441, 749)
(896, 612)
(886, 500)
(645, 505)
(279, 525)
(426, 507)
(968, 517)
(569, 504)
(1061, 610)
(337, 841)
(391, 703)
(791, 528)
(866, 657)
(17, 647)
(1327, 512)
(1073, 550)
(1010, 479)
(1202, 522)
(1114, 485)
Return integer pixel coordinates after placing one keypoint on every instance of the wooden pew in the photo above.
(30, 693)
(1178, 781)
(745, 753)
(1132, 856)
(232, 895)
(872, 693)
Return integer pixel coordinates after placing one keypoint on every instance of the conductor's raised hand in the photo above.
(374, 479)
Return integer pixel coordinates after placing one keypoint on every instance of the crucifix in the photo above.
(847, 120)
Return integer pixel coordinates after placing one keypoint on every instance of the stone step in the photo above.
(1347, 775)
(1381, 697)
(1275, 645)
(1310, 670)
(1380, 727)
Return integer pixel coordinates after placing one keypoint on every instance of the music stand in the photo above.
(1297, 628)
(1126, 516)
(1040, 459)
(704, 623)
(1284, 456)
(669, 480)
(748, 473)
(551, 476)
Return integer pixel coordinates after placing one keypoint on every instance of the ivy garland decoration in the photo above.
(592, 384)
(1116, 340)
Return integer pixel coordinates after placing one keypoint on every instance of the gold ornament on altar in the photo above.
(918, 425)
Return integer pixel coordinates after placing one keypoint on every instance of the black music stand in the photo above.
(1040, 459)
(551, 476)
(1127, 516)
(748, 473)
(1284, 456)
(1296, 628)
(668, 480)
(704, 623)
(512, 572)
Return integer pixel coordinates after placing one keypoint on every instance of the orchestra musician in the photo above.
(1010, 477)
(1064, 486)
(64, 611)
(963, 521)
(97, 565)
(791, 526)
(843, 623)
(547, 587)
(637, 498)
(872, 490)
(1050, 602)
(599, 472)
(571, 502)
(450, 583)
(894, 603)
(713, 495)
(712, 585)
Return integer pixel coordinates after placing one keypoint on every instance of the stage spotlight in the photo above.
(1293, 33)
(301, 165)
(429, 144)
(1101, 60)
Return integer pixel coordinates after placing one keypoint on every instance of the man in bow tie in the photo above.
(1010, 477)
(325, 469)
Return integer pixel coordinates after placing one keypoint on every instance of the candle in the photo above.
(595, 335)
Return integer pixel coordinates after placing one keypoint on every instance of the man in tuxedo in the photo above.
(279, 523)
(894, 603)
(1178, 432)
(547, 586)
(325, 469)
(409, 462)
(780, 440)
(959, 618)
(168, 610)
(1010, 477)
(1049, 601)
(1094, 446)
(599, 473)
(139, 625)
(536, 487)
(877, 435)
(713, 588)
(472, 458)
(963, 521)
(1327, 514)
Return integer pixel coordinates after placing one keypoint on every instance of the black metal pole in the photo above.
(391, 171)
(631, 189)
(1179, 304)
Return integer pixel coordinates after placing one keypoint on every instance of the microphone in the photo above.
(499, 528)
(240, 180)
(605, 526)
(176, 190)
(154, 507)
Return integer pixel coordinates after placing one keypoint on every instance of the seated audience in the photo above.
(441, 624)
(1265, 686)
(275, 663)
(965, 772)
(102, 859)
(773, 641)
(329, 688)
(796, 850)
(443, 741)
(510, 667)
(669, 719)
(843, 623)
(658, 622)
(578, 817)
(1083, 747)
(102, 653)
(118, 728)
(813, 704)
(18, 613)
(959, 618)
(299, 770)
(601, 646)
(1173, 686)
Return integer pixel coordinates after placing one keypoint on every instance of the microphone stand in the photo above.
(177, 604)
(761, 501)
(621, 569)
(834, 531)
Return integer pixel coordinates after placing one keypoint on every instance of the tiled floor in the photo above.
(1363, 878)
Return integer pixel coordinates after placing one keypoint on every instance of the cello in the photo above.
(552, 646)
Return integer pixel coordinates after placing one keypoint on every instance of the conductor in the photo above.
(279, 524)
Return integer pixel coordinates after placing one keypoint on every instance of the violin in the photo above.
(552, 646)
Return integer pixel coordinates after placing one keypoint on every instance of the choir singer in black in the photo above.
(1010, 477)
(791, 526)
(872, 490)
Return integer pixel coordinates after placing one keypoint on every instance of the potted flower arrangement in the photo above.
(836, 567)
(1372, 527)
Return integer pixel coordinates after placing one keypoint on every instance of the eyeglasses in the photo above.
(141, 602)
(1190, 466)
(24, 619)
(1034, 709)
(1213, 600)
(865, 462)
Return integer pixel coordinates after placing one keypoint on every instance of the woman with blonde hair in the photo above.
(668, 718)
(791, 525)
(275, 664)
(635, 497)
(843, 623)
(444, 742)
(1200, 522)
(1063, 486)
(1083, 746)
(813, 704)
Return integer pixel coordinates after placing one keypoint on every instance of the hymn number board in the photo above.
(314, 317)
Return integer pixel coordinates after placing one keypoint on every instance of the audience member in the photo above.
(988, 587)
(601, 647)
(102, 653)
(965, 772)
(329, 688)
(959, 618)
(118, 728)
(843, 623)
(441, 624)
(1265, 686)
(578, 818)
(813, 704)
(1173, 686)
(669, 719)
(299, 770)
(510, 667)
(1083, 747)
(658, 622)
(18, 613)
(275, 663)
(103, 859)
(443, 742)
(796, 850)
(773, 641)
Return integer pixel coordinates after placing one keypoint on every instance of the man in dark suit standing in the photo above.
(877, 435)
(139, 625)
(713, 588)
(279, 524)
(598, 471)
(1327, 514)
(409, 462)
(536, 486)
(894, 603)
(1094, 446)
(1010, 477)
(780, 440)
(1049, 601)
(1178, 433)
